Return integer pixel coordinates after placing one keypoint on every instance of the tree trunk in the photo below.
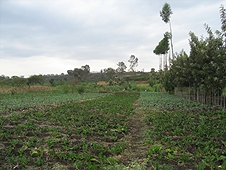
(171, 41)
(160, 62)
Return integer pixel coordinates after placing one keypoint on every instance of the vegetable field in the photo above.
(22, 101)
(78, 135)
(113, 131)
(184, 134)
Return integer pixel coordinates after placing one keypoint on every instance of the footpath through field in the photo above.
(135, 154)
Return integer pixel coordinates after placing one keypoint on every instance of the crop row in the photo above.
(83, 135)
(168, 102)
(20, 101)
(184, 134)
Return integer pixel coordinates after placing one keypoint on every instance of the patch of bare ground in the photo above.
(136, 152)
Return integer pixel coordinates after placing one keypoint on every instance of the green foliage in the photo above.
(80, 74)
(205, 67)
(110, 73)
(157, 88)
(35, 79)
(75, 133)
(52, 82)
(187, 133)
(133, 62)
(166, 12)
(121, 67)
(20, 101)
(163, 46)
(144, 87)
(80, 89)
(168, 82)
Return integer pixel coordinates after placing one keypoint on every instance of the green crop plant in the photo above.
(51, 142)
(118, 148)
(195, 130)
(14, 142)
(71, 131)
(21, 151)
(22, 101)
(39, 161)
(155, 150)
(24, 160)
(184, 157)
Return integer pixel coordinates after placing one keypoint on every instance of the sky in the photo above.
(53, 36)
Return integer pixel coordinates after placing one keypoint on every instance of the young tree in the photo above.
(165, 14)
(133, 63)
(205, 68)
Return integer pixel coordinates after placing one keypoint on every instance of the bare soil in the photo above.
(137, 149)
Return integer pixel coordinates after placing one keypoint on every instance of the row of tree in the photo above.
(81, 74)
(21, 81)
(73, 76)
(205, 67)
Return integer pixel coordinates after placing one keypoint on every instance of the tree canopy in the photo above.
(166, 12)
(133, 62)
(80, 74)
(121, 67)
(205, 67)
(163, 45)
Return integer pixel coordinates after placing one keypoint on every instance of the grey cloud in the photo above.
(99, 30)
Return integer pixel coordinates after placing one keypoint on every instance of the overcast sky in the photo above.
(53, 36)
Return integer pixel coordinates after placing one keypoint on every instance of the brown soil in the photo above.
(137, 149)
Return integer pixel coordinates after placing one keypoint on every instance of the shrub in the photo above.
(80, 89)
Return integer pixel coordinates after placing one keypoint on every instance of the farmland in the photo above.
(183, 133)
(22, 101)
(110, 131)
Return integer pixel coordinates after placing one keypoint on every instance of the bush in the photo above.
(144, 87)
(157, 87)
(80, 89)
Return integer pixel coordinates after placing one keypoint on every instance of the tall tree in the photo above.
(223, 22)
(121, 67)
(85, 71)
(110, 72)
(80, 74)
(205, 68)
(133, 62)
(165, 14)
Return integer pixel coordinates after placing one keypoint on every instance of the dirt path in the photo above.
(135, 156)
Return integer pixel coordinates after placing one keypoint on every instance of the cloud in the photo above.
(100, 33)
